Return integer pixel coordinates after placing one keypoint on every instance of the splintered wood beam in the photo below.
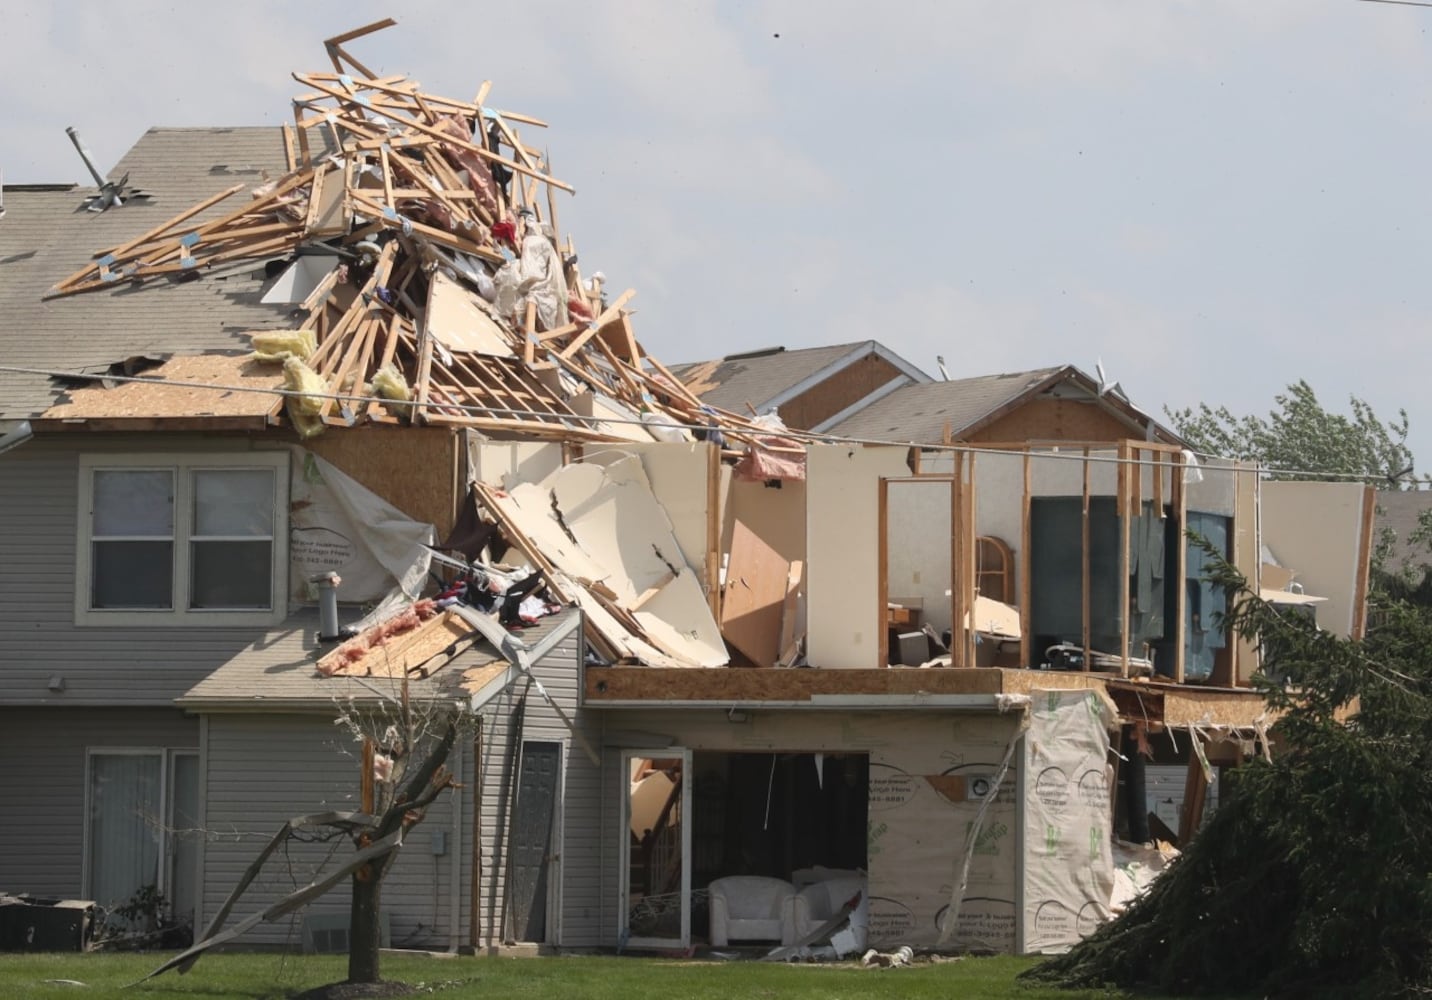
(421, 126)
(612, 313)
(334, 45)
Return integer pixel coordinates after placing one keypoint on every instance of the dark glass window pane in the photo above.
(230, 575)
(132, 575)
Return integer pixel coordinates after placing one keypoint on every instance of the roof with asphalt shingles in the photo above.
(920, 412)
(46, 235)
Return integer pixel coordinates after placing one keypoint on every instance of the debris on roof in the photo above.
(416, 237)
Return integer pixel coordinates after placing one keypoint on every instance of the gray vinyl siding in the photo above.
(262, 770)
(112, 665)
(42, 785)
(574, 880)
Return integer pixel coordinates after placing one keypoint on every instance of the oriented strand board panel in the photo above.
(1315, 530)
(754, 597)
(233, 378)
(413, 468)
(776, 513)
(843, 616)
(458, 323)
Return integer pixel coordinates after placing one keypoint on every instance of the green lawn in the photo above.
(273, 977)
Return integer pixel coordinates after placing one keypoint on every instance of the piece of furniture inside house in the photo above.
(749, 908)
(820, 901)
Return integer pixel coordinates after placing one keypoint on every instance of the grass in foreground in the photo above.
(237, 976)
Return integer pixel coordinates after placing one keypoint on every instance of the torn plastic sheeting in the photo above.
(336, 524)
(761, 464)
(540, 271)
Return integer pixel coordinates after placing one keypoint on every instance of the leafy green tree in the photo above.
(1312, 878)
(1299, 434)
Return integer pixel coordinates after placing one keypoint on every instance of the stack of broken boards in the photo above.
(448, 300)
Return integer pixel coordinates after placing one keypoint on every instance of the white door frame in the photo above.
(624, 839)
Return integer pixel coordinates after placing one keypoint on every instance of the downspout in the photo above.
(455, 855)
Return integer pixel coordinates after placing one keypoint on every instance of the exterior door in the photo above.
(538, 781)
(655, 895)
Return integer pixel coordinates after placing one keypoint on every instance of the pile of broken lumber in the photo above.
(449, 299)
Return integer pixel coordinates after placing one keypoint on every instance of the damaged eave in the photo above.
(1159, 706)
(658, 687)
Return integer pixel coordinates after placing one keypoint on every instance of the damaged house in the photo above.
(729, 681)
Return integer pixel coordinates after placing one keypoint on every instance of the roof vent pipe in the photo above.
(328, 630)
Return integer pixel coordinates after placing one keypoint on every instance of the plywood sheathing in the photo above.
(413, 468)
(411, 654)
(173, 396)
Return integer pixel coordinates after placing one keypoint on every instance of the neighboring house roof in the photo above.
(1397, 513)
(767, 378)
(921, 413)
(46, 235)
(279, 671)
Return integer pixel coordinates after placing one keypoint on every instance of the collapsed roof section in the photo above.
(414, 235)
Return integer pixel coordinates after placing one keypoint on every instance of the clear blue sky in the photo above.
(1216, 197)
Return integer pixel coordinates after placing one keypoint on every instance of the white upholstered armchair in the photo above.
(750, 908)
(819, 901)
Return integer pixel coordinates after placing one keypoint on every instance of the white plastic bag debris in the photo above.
(542, 280)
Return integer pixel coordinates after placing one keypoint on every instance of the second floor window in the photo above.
(182, 541)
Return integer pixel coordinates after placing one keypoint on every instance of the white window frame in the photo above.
(182, 465)
(165, 756)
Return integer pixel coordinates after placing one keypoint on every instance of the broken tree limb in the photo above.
(284, 906)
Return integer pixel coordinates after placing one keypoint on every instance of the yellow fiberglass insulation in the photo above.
(278, 345)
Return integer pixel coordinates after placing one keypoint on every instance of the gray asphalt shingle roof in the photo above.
(758, 378)
(46, 235)
(920, 412)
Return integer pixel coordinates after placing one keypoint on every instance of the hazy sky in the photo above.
(1216, 197)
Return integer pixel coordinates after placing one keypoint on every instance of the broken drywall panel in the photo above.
(338, 525)
(1315, 530)
(612, 513)
(678, 475)
(753, 598)
(1068, 868)
(918, 549)
(504, 464)
(458, 318)
(843, 612)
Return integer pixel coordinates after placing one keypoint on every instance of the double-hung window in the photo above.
(183, 540)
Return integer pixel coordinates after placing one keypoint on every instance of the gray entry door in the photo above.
(537, 783)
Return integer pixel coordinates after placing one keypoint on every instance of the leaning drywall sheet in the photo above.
(338, 525)
(1315, 530)
(843, 615)
(1068, 867)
